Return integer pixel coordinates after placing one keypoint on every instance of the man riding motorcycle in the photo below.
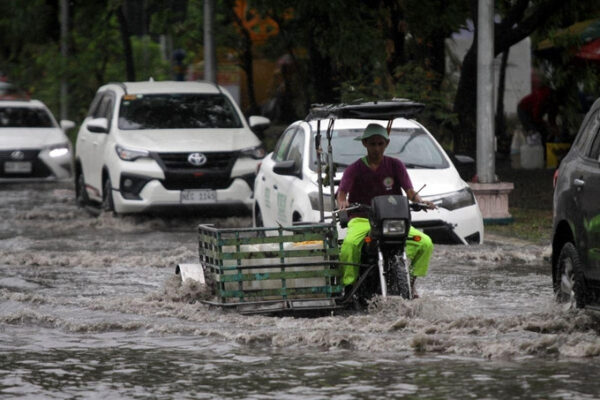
(373, 175)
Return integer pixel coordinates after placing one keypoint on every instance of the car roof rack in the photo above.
(383, 109)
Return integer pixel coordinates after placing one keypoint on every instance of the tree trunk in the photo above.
(500, 118)
(465, 104)
(247, 65)
(125, 38)
(396, 34)
(520, 22)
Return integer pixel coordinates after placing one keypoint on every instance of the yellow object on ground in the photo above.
(555, 152)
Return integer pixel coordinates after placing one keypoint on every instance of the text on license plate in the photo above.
(198, 196)
(17, 167)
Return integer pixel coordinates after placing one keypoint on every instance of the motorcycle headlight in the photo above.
(58, 150)
(393, 227)
(126, 154)
(460, 199)
(257, 152)
(314, 201)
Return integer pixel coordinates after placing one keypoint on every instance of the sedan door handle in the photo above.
(578, 182)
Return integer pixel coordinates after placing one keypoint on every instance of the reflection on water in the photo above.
(90, 308)
(259, 372)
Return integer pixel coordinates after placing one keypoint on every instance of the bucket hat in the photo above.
(374, 130)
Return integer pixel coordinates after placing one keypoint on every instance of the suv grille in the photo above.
(38, 168)
(180, 174)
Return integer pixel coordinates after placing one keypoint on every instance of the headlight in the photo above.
(393, 227)
(257, 152)
(58, 150)
(460, 199)
(314, 201)
(130, 154)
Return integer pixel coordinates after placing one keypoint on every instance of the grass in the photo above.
(529, 224)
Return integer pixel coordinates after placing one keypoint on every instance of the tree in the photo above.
(519, 21)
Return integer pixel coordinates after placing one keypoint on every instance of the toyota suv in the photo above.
(33, 146)
(157, 145)
(576, 236)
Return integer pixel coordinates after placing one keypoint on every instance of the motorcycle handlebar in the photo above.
(414, 206)
(419, 206)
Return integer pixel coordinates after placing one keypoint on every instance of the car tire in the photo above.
(107, 196)
(570, 287)
(258, 221)
(81, 196)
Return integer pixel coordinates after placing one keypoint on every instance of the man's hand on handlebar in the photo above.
(414, 197)
(430, 205)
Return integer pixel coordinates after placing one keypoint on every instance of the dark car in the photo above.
(576, 225)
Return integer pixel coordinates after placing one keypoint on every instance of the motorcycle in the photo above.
(384, 268)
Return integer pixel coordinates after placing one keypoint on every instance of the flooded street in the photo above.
(90, 308)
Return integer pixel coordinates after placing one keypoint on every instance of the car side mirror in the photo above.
(259, 122)
(465, 165)
(98, 125)
(287, 167)
(66, 124)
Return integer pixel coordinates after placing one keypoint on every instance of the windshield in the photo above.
(411, 145)
(24, 117)
(177, 111)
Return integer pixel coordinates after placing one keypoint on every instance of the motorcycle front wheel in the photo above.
(398, 276)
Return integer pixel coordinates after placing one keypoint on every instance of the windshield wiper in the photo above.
(419, 166)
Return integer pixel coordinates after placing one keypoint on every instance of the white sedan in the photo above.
(286, 189)
(33, 147)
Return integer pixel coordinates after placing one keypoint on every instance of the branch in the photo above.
(508, 35)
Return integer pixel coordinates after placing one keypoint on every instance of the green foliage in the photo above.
(95, 56)
(414, 82)
(343, 49)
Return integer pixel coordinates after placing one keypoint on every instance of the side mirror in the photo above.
(287, 167)
(66, 124)
(258, 121)
(98, 125)
(465, 166)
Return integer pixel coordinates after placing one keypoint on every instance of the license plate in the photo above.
(199, 196)
(17, 167)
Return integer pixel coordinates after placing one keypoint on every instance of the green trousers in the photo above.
(419, 252)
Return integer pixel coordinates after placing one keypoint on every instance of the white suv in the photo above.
(155, 145)
(33, 147)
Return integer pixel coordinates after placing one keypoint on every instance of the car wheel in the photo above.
(570, 288)
(258, 221)
(81, 196)
(107, 196)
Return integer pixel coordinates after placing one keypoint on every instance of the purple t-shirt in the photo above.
(362, 183)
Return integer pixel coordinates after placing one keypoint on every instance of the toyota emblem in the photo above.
(17, 155)
(197, 159)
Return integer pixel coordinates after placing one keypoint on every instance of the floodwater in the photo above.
(90, 308)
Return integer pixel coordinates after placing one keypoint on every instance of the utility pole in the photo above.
(485, 92)
(210, 54)
(64, 51)
(492, 196)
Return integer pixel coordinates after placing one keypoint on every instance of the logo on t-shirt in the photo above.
(388, 183)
